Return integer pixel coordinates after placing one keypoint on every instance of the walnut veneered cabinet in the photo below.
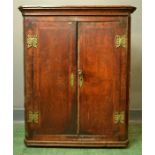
(77, 65)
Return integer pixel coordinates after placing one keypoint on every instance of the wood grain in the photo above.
(72, 38)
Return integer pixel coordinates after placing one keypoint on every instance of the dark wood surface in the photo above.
(76, 10)
(100, 62)
(82, 39)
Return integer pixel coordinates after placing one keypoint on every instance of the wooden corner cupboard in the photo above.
(77, 66)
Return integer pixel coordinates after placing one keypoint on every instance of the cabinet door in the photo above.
(103, 68)
(50, 70)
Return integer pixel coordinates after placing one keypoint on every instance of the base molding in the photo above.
(77, 143)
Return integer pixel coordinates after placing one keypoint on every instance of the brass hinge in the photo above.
(32, 41)
(120, 41)
(119, 117)
(33, 117)
(72, 80)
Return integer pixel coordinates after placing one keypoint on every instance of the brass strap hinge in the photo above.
(33, 117)
(119, 117)
(121, 41)
(32, 40)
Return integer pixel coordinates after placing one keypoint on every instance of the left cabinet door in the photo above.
(50, 77)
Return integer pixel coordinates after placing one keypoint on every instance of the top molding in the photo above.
(76, 10)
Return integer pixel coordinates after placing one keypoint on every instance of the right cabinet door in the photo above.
(102, 59)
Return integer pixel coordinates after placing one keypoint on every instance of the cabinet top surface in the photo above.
(77, 6)
(26, 9)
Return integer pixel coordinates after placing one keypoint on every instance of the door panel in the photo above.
(100, 63)
(54, 62)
